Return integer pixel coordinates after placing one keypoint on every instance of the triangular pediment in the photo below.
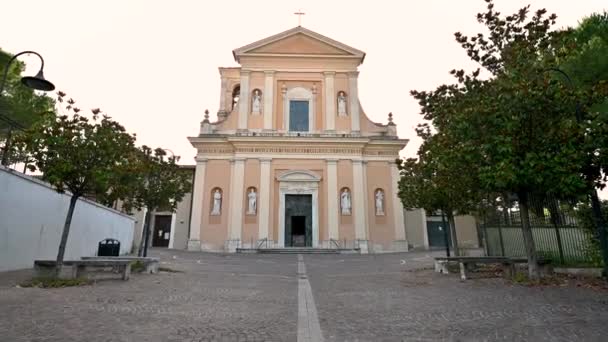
(298, 42)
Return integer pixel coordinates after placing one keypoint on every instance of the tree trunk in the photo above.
(144, 236)
(528, 238)
(64, 235)
(445, 234)
(453, 235)
(147, 235)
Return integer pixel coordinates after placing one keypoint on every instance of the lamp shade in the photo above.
(38, 82)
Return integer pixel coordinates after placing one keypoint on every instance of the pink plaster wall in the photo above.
(381, 228)
(215, 228)
(250, 222)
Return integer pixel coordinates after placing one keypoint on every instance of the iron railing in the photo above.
(555, 229)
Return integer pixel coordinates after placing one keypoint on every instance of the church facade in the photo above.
(292, 159)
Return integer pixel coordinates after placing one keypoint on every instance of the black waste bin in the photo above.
(108, 247)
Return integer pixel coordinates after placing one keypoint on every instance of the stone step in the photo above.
(299, 250)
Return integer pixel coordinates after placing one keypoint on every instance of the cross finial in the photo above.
(299, 13)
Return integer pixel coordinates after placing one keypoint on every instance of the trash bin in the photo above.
(108, 247)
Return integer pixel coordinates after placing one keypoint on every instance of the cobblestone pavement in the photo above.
(393, 297)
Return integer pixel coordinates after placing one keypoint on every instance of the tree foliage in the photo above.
(78, 154)
(509, 127)
(159, 183)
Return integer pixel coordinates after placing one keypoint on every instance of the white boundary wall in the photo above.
(32, 215)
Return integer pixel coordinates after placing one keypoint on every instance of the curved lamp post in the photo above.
(37, 82)
(595, 201)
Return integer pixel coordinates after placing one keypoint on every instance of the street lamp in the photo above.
(595, 201)
(37, 82)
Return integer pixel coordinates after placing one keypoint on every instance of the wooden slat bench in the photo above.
(85, 268)
(467, 264)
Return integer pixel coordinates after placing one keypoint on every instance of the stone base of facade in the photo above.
(400, 246)
(363, 246)
(232, 245)
(194, 245)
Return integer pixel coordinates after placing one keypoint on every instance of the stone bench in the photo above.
(467, 264)
(151, 265)
(89, 269)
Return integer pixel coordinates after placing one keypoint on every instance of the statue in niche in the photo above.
(341, 104)
(345, 202)
(252, 201)
(379, 202)
(257, 102)
(217, 202)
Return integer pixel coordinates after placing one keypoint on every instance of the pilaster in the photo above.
(400, 243)
(244, 100)
(359, 194)
(264, 205)
(330, 101)
(354, 101)
(196, 219)
(333, 210)
(236, 201)
(268, 98)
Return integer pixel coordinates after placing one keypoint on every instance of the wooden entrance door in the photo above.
(162, 231)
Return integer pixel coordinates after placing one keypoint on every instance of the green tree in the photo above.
(437, 180)
(77, 154)
(516, 127)
(159, 183)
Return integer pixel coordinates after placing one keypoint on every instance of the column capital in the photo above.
(352, 74)
(331, 160)
(245, 72)
(238, 159)
(357, 161)
(269, 72)
(201, 160)
(329, 73)
(265, 159)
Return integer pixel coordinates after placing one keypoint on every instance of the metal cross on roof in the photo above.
(299, 13)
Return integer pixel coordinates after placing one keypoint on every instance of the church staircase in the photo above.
(299, 250)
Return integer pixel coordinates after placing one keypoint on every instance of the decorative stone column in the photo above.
(264, 205)
(333, 209)
(353, 97)
(196, 219)
(330, 101)
(235, 222)
(358, 199)
(172, 234)
(268, 98)
(244, 100)
(400, 243)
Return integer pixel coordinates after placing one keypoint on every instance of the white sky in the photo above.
(152, 65)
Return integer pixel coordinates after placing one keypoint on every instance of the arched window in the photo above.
(217, 197)
(379, 202)
(298, 109)
(236, 92)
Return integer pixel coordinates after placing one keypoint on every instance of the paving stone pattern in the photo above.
(392, 297)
